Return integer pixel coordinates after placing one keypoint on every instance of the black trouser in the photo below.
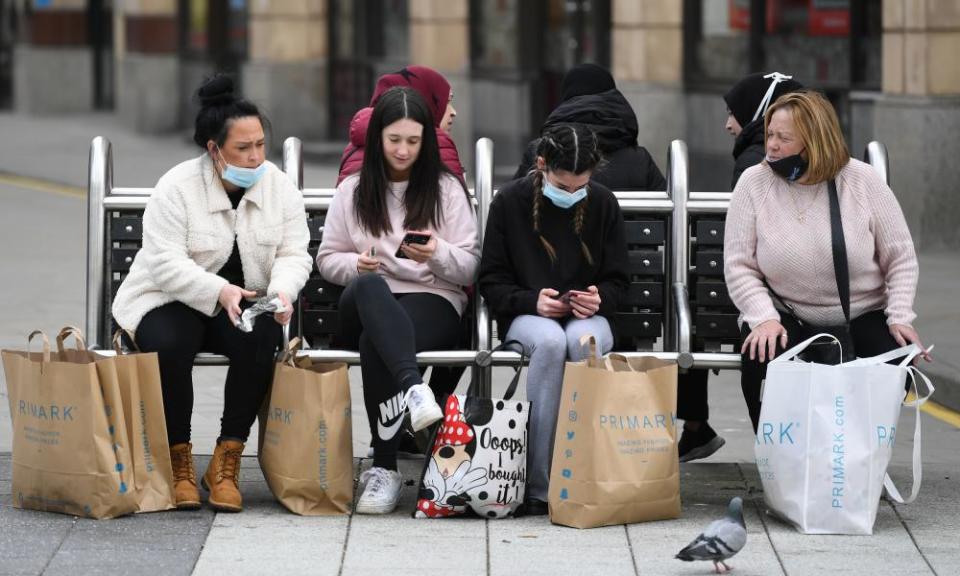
(692, 396)
(177, 333)
(871, 337)
(389, 329)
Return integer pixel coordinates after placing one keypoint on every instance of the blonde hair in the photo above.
(818, 129)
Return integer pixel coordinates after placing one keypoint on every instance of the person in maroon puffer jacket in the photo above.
(436, 92)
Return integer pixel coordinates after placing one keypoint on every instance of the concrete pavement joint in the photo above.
(761, 514)
(633, 557)
(59, 546)
(486, 529)
(346, 537)
(912, 539)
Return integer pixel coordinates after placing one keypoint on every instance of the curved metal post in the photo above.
(483, 189)
(293, 160)
(677, 323)
(99, 185)
(876, 155)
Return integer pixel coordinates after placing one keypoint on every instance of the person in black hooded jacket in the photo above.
(746, 102)
(589, 96)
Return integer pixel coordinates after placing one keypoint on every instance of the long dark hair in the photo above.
(570, 147)
(219, 105)
(422, 202)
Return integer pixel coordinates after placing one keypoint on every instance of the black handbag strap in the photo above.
(839, 247)
(512, 387)
(839, 251)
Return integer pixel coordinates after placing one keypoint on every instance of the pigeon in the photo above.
(721, 540)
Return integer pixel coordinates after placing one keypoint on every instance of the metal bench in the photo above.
(115, 233)
(675, 241)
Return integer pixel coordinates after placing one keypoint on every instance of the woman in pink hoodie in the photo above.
(401, 235)
(438, 96)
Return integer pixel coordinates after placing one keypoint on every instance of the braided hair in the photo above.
(573, 148)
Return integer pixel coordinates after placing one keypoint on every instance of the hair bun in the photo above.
(216, 91)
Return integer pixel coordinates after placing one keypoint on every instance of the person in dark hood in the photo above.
(589, 96)
(746, 103)
(436, 92)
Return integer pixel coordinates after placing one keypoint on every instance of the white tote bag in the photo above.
(826, 435)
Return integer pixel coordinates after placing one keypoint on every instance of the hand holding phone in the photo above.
(368, 261)
(565, 297)
(420, 246)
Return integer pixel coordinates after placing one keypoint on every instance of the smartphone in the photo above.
(565, 297)
(412, 238)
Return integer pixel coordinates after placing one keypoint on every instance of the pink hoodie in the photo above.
(434, 89)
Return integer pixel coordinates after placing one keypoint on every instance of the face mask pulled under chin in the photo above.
(239, 176)
(791, 168)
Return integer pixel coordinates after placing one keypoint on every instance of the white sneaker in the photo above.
(423, 407)
(381, 491)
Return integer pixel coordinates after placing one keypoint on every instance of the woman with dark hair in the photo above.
(554, 269)
(218, 230)
(402, 237)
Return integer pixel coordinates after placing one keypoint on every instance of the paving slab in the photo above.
(398, 544)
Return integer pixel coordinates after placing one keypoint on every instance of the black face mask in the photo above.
(791, 168)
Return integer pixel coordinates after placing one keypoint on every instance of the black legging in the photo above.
(692, 396)
(389, 329)
(871, 337)
(177, 333)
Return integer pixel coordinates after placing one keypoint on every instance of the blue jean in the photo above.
(550, 343)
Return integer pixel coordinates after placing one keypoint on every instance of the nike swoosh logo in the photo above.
(388, 432)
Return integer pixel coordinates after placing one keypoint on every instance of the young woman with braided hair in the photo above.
(554, 269)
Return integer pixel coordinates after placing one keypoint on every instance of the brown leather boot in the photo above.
(184, 477)
(222, 478)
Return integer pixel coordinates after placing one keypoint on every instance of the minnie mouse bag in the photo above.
(478, 456)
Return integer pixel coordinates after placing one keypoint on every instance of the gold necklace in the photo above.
(802, 214)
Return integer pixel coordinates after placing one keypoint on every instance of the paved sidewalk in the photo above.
(923, 538)
(43, 270)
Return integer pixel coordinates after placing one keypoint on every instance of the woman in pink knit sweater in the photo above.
(778, 249)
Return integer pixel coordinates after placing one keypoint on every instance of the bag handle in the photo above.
(917, 456)
(793, 352)
(910, 351)
(288, 354)
(117, 341)
(46, 344)
(620, 358)
(512, 387)
(68, 331)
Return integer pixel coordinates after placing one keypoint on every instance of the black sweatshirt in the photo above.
(515, 265)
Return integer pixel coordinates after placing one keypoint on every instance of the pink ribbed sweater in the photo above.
(764, 238)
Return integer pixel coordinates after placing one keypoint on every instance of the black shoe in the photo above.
(699, 444)
(532, 507)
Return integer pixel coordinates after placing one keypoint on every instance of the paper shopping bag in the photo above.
(306, 445)
(70, 451)
(138, 379)
(615, 453)
(826, 435)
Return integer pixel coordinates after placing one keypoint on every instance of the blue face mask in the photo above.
(561, 199)
(242, 177)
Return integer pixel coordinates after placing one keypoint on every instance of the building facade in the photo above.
(889, 66)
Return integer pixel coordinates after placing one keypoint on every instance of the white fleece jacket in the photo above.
(189, 228)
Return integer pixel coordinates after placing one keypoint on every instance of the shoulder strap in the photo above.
(839, 251)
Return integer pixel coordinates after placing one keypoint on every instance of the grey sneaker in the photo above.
(423, 407)
(381, 491)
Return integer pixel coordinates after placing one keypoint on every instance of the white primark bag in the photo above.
(826, 434)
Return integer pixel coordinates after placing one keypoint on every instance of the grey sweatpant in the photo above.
(549, 343)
